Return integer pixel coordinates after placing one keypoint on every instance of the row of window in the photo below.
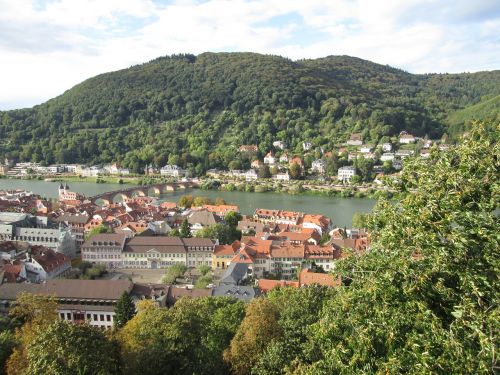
(88, 316)
(101, 256)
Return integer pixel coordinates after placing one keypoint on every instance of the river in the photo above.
(340, 210)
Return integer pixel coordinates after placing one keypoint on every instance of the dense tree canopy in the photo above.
(195, 111)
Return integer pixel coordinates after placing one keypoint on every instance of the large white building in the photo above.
(173, 171)
(346, 173)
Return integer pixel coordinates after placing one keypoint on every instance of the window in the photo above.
(108, 318)
(68, 315)
(88, 316)
(95, 317)
(62, 316)
(102, 317)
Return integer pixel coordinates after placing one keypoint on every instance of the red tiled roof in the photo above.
(308, 277)
(266, 285)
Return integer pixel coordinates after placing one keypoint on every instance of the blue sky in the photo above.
(48, 46)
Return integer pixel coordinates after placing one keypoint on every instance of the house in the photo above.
(251, 175)
(79, 301)
(297, 160)
(256, 164)
(66, 196)
(425, 153)
(240, 292)
(104, 248)
(319, 223)
(346, 173)
(404, 153)
(387, 156)
(386, 147)
(364, 149)
(202, 218)
(248, 148)
(265, 285)
(223, 254)
(235, 274)
(199, 251)
(318, 166)
(45, 264)
(245, 226)
(221, 210)
(282, 176)
(355, 140)
(269, 158)
(306, 146)
(173, 171)
(279, 144)
(284, 158)
(406, 138)
(76, 222)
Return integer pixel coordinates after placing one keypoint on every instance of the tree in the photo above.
(173, 272)
(264, 172)
(174, 233)
(232, 218)
(101, 228)
(258, 329)
(359, 220)
(124, 310)
(65, 348)
(185, 231)
(186, 201)
(200, 201)
(425, 298)
(295, 171)
(203, 269)
(219, 201)
(35, 312)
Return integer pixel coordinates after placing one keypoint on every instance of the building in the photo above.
(279, 144)
(269, 159)
(346, 173)
(284, 158)
(365, 149)
(76, 223)
(355, 140)
(202, 218)
(318, 166)
(386, 147)
(282, 176)
(173, 171)
(387, 156)
(45, 264)
(67, 196)
(104, 248)
(256, 164)
(116, 250)
(277, 216)
(406, 138)
(251, 175)
(79, 301)
(306, 146)
(248, 148)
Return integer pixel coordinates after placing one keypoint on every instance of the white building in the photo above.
(269, 159)
(387, 156)
(284, 158)
(386, 147)
(355, 140)
(173, 171)
(365, 149)
(279, 144)
(282, 176)
(251, 175)
(45, 264)
(318, 166)
(346, 173)
(104, 248)
(306, 146)
(406, 138)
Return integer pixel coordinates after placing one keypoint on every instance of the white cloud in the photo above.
(47, 47)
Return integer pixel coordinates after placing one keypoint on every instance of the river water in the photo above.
(340, 210)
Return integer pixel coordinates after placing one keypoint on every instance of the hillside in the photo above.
(196, 110)
(486, 110)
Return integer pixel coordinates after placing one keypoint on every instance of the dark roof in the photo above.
(204, 218)
(197, 241)
(174, 294)
(73, 219)
(72, 289)
(244, 293)
(234, 274)
(111, 239)
(141, 244)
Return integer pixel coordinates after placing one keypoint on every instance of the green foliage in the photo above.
(186, 339)
(102, 228)
(204, 269)
(295, 171)
(173, 272)
(226, 234)
(359, 220)
(232, 218)
(124, 310)
(65, 348)
(195, 111)
(185, 231)
(7, 343)
(203, 281)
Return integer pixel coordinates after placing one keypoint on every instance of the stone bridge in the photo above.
(142, 191)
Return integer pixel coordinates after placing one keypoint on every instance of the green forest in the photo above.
(195, 111)
(423, 300)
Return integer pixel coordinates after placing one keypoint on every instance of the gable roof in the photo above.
(234, 274)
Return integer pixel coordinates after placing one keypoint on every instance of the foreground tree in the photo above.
(425, 298)
(185, 231)
(124, 310)
(256, 331)
(64, 348)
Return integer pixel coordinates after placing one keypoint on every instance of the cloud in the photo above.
(49, 46)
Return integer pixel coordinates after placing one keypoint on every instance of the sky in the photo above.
(48, 46)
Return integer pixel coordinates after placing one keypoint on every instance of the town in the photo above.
(84, 252)
(353, 162)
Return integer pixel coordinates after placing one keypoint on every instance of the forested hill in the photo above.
(196, 110)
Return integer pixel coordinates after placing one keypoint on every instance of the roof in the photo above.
(71, 289)
(174, 294)
(265, 285)
(308, 277)
(142, 244)
(48, 258)
(244, 293)
(288, 250)
(204, 218)
(106, 239)
(234, 274)
(73, 219)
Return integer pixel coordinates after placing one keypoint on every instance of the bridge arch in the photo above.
(154, 190)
